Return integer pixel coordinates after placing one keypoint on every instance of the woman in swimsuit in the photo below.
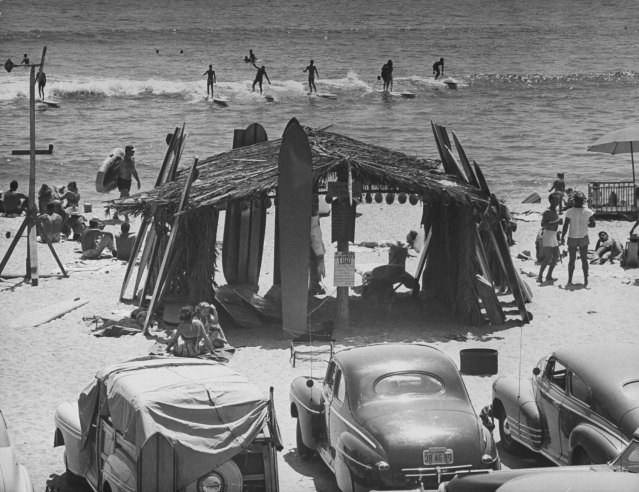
(186, 338)
(207, 315)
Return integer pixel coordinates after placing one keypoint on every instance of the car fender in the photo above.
(307, 407)
(600, 446)
(119, 472)
(68, 433)
(355, 458)
(513, 395)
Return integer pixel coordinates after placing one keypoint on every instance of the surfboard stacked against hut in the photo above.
(465, 260)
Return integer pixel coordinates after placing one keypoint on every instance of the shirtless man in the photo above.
(437, 66)
(126, 170)
(210, 80)
(25, 60)
(41, 77)
(550, 245)
(94, 240)
(312, 71)
(259, 76)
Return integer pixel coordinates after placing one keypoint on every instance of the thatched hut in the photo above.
(454, 205)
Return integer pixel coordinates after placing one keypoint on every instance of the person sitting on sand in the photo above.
(51, 225)
(14, 202)
(259, 76)
(74, 222)
(186, 338)
(207, 315)
(607, 248)
(550, 246)
(124, 241)
(578, 219)
(94, 240)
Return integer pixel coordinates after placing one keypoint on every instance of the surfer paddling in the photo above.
(259, 77)
(438, 68)
(210, 80)
(312, 71)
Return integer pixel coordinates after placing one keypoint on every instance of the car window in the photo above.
(555, 373)
(407, 383)
(579, 389)
(629, 458)
(330, 374)
(339, 390)
(631, 390)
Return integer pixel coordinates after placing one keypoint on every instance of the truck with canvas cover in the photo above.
(162, 423)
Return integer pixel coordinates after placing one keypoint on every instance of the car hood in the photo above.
(405, 434)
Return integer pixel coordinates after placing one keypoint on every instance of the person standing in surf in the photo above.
(438, 68)
(387, 76)
(41, 77)
(259, 77)
(210, 80)
(312, 71)
(126, 170)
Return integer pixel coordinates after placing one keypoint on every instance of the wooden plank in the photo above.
(449, 167)
(470, 172)
(130, 267)
(482, 258)
(483, 184)
(489, 300)
(168, 252)
(294, 191)
(256, 242)
(421, 264)
(146, 261)
(459, 170)
(267, 308)
(13, 244)
(236, 307)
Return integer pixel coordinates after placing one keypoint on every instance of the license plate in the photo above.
(438, 456)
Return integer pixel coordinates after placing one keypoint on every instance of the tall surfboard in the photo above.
(294, 193)
(244, 226)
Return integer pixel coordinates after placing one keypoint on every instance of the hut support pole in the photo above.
(342, 295)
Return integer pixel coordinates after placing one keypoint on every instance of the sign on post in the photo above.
(344, 269)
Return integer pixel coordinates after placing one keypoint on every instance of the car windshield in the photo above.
(408, 383)
(628, 460)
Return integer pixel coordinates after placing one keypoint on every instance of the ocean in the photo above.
(539, 81)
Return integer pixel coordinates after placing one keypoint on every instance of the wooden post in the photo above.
(32, 255)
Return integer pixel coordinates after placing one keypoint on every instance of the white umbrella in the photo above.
(623, 141)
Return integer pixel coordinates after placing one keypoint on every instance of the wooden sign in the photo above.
(344, 269)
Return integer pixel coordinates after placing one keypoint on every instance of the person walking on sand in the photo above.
(550, 246)
(259, 76)
(578, 219)
(210, 80)
(438, 68)
(126, 170)
(312, 71)
(41, 77)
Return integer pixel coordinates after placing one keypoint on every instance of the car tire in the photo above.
(507, 441)
(302, 449)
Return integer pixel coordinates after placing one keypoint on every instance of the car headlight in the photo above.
(213, 482)
(382, 466)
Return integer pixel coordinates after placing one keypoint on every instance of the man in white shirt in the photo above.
(578, 219)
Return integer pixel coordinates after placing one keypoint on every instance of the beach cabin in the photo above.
(186, 256)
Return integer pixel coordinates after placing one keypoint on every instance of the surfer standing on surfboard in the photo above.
(312, 70)
(437, 66)
(387, 76)
(41, 77)
(259, 76)
(210, 80)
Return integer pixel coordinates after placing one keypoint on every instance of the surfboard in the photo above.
(219, 100)
(325, 95)
(451, 82)
(107, 177)
(532, 198)
(294, 193)
(43, 315)
(404, 94)
(268, 98)
(51, 104)
(489, 300)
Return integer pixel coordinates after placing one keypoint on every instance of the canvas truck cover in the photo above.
(206, 411)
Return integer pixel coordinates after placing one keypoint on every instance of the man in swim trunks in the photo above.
(94, 240)
(259, 76)
(550, 246)
(14, 202)
(387, 76)
(126, 170)
(210, 80)
(578, 219)
(438, 68)
(312, 71)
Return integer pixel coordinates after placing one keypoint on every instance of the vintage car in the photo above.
(160, 423)
(391, 417)
(13, 476)
(580, 406)
(557, 479)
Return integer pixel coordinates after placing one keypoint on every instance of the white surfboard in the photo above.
(51, 104)
(404, 94)
(268, 98)
(325, 95)
(451, 82)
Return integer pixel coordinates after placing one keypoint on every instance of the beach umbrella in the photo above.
(623, 141)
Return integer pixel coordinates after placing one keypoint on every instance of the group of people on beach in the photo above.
(199, 332)
(386, 75)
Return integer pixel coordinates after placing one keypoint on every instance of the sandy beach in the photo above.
(43, 366)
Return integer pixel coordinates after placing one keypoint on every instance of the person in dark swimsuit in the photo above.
(312, 71)
(259, 76)
(25, 60)
(210, 80)
(387, 76)
(438, 68)
(41, 77)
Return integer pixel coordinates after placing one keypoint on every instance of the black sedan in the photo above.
(391, 417)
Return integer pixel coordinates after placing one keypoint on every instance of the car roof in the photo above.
(364, 365)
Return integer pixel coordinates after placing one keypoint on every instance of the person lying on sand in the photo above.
(607, 248)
